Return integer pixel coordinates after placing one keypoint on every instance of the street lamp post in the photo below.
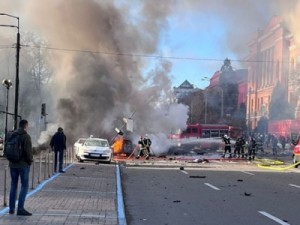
(205, 113)
(18, 47)
(7, 84)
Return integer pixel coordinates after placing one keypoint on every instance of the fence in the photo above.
(41, 169)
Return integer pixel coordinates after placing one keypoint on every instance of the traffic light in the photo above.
(43, 110)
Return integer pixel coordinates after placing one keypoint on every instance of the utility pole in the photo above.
(17, 79)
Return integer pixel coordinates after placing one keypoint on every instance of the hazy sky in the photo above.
(198, 29)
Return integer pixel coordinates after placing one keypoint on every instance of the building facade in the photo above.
(267, 66)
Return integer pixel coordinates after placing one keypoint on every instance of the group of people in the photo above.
(240, 147)
(20, 168)
(248, 148)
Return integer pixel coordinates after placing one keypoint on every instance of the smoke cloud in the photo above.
(93, 90)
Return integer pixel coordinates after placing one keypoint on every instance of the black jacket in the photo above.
(58, 141)
(27, 154)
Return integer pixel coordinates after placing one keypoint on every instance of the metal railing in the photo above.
(41, 169)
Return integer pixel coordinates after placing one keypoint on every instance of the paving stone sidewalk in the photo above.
(84, 195)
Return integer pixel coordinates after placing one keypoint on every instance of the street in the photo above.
(173, 196)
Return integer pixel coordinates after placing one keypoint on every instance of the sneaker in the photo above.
(11, 211)
(61, 171)
(23, 212)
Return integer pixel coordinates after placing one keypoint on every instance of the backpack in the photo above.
(13, 147)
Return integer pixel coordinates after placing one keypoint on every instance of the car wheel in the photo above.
(79, 159)
(295, 161)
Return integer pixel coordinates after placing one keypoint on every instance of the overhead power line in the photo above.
(143, 55)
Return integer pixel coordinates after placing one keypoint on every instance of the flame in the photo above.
(118, 145)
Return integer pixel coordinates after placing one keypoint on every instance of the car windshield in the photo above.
(81, 141)
(93, 142)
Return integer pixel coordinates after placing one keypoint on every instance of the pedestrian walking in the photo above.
(226, 140)
(20, 168)
(58, 145)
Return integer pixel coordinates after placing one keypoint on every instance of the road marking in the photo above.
(212, 186)
(120, 201)
(185, 172)
(294, 185)
(252, 174)
(273, 218)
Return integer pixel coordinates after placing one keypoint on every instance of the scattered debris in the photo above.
(176, 201)
(82, 168)
(197, 176)
(247, 194)
(200, 161)
(240, 180)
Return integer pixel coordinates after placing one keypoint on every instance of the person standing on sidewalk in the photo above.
(21, 169)
(58, 145)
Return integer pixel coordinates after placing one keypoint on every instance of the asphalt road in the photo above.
(189, 197)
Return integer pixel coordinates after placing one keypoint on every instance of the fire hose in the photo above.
(272, 164)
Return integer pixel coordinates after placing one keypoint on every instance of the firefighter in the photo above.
(238, 147)
(243, 145)
(252, 149)
(142, 148)
(147, 142)
(226, 140)
(274, 145)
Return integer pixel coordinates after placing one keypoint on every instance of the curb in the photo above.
(120, 200)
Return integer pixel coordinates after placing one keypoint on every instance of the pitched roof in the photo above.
(186, 85)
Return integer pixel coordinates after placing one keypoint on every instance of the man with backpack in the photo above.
(18, 150)
(58, 145)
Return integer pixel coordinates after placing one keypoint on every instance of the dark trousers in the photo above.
(15, 173)
(227, 149)
(252, 152)
(237, 151)
(60, 155)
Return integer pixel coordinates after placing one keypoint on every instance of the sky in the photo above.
(195, 29)
(192, 41)
(209, 32)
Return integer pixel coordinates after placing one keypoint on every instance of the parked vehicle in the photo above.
(93, 149)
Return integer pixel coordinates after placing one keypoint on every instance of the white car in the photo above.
(93, 149)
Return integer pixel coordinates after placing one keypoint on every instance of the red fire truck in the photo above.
(206, 131)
